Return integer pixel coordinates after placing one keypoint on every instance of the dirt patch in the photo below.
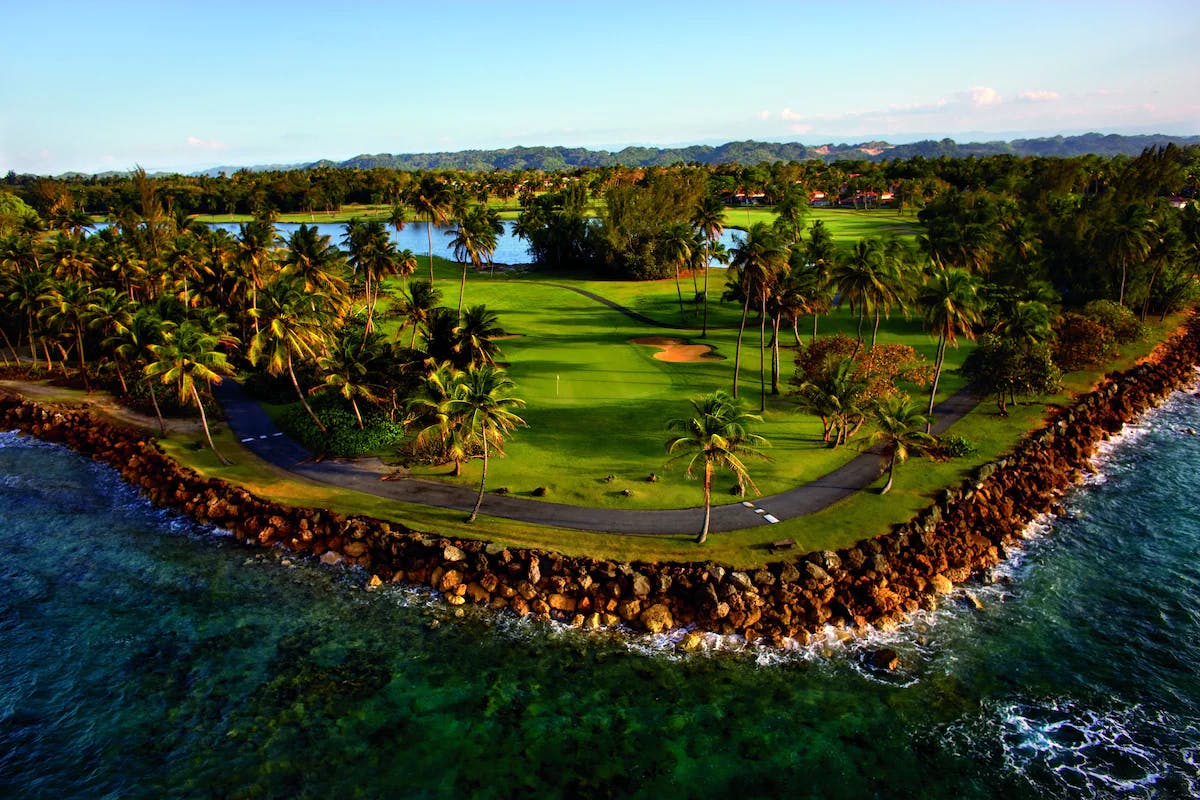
(678, 350)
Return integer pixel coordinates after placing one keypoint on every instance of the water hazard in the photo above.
(143, 656)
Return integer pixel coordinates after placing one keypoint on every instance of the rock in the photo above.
(788, 573)
(657, 618)
(830, 560)
(629, 609)
(692, 642)
(641, 585)
(451, 580)
(741, 580)
(535, 571)
(941, 584)
(627, 492)
(489, 582)
(451, 554)
(884, 659)
(819, 575)
(560, 602)
(354, 549)
(477, 593)
(526, 590)
(329, 557)
(456, 600)
(374, 583)
(541, 491)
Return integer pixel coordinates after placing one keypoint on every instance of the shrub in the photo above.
(1116, 318)
(955, 446)
(1080, 342)
(343, 436)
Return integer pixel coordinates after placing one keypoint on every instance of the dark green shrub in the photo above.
(1117, 318)
(955, 446)
(343, 436)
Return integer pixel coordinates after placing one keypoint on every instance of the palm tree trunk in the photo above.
(1124, 272)
(82, 363)
(704, 330)
(462, 288)
(11, 347)
(703, 537)
(482, 481)
(814, 335)
(357, 415)
(775, 355)
(1149, 289)
(121, 377)
(737, 351)
(887, 487)
(300, 394)
(875, 331)
(762, 354)
(679, 292)
(162, 425)
(429, 232)
(937, 374)
(208, 434)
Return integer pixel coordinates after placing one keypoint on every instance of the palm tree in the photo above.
(755, 263)
(110, 312)
(428, 405)
(676, 248)
(430, 198)
(899, 424)
(709, 219)
(133, 341)
(187, 354)
(347, 367)
(311, 255)
(820, 264)
(860, 279)
(372, 253)
(486, 410)
(474, 242)
(951, 304)
(414, 304)
(1129, 239)
(293, 326)
(717, 436)
(1029, 323)
(65, 307)
(255, 247)
(476, 335)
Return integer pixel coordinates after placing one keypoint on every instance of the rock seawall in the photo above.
(972, 527)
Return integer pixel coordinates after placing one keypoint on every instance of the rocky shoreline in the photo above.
(877, 582)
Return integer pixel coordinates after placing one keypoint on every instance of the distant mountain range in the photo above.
(747, 152)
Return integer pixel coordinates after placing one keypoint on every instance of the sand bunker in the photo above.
(678, 350)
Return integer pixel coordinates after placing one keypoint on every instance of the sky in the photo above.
(182, 86)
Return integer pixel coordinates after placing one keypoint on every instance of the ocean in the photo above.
(142, 655)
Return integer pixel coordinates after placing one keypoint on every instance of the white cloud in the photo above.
(764, 115)
(790, 115)
(1039, 96)
(983, 96)
(204, 144)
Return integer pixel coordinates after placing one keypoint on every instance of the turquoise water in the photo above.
(143, 656)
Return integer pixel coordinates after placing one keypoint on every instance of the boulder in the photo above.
(641, 585)
(885, 659)
(561, 602)
(451, 580)
(941, 584)
(657, 618)
(451, 554)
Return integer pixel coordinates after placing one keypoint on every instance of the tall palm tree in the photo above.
(676, 248)
(372, 254)
(65, 307)
(474, 242)
(346, 370)
(132, 343)
(188, 354)
(256, 242)
(952, 305)
(709, 219)
(482, 400)
(476, 335)
(899, 422)
(414, 304)
(860, 279)
(430, 198)
(312, 256)
(428, 406)
(110, 312)
(754, 266)
(1129, 239)
(717, 437)
(293, 326)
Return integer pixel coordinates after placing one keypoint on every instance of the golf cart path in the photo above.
(254, 428)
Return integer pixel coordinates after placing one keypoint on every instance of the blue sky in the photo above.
(95, 86)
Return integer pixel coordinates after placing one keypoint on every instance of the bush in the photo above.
(1116, 318)
(1080, 342)
(343, 436)
(955, 446)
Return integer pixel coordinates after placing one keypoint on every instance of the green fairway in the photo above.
(598, 404)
